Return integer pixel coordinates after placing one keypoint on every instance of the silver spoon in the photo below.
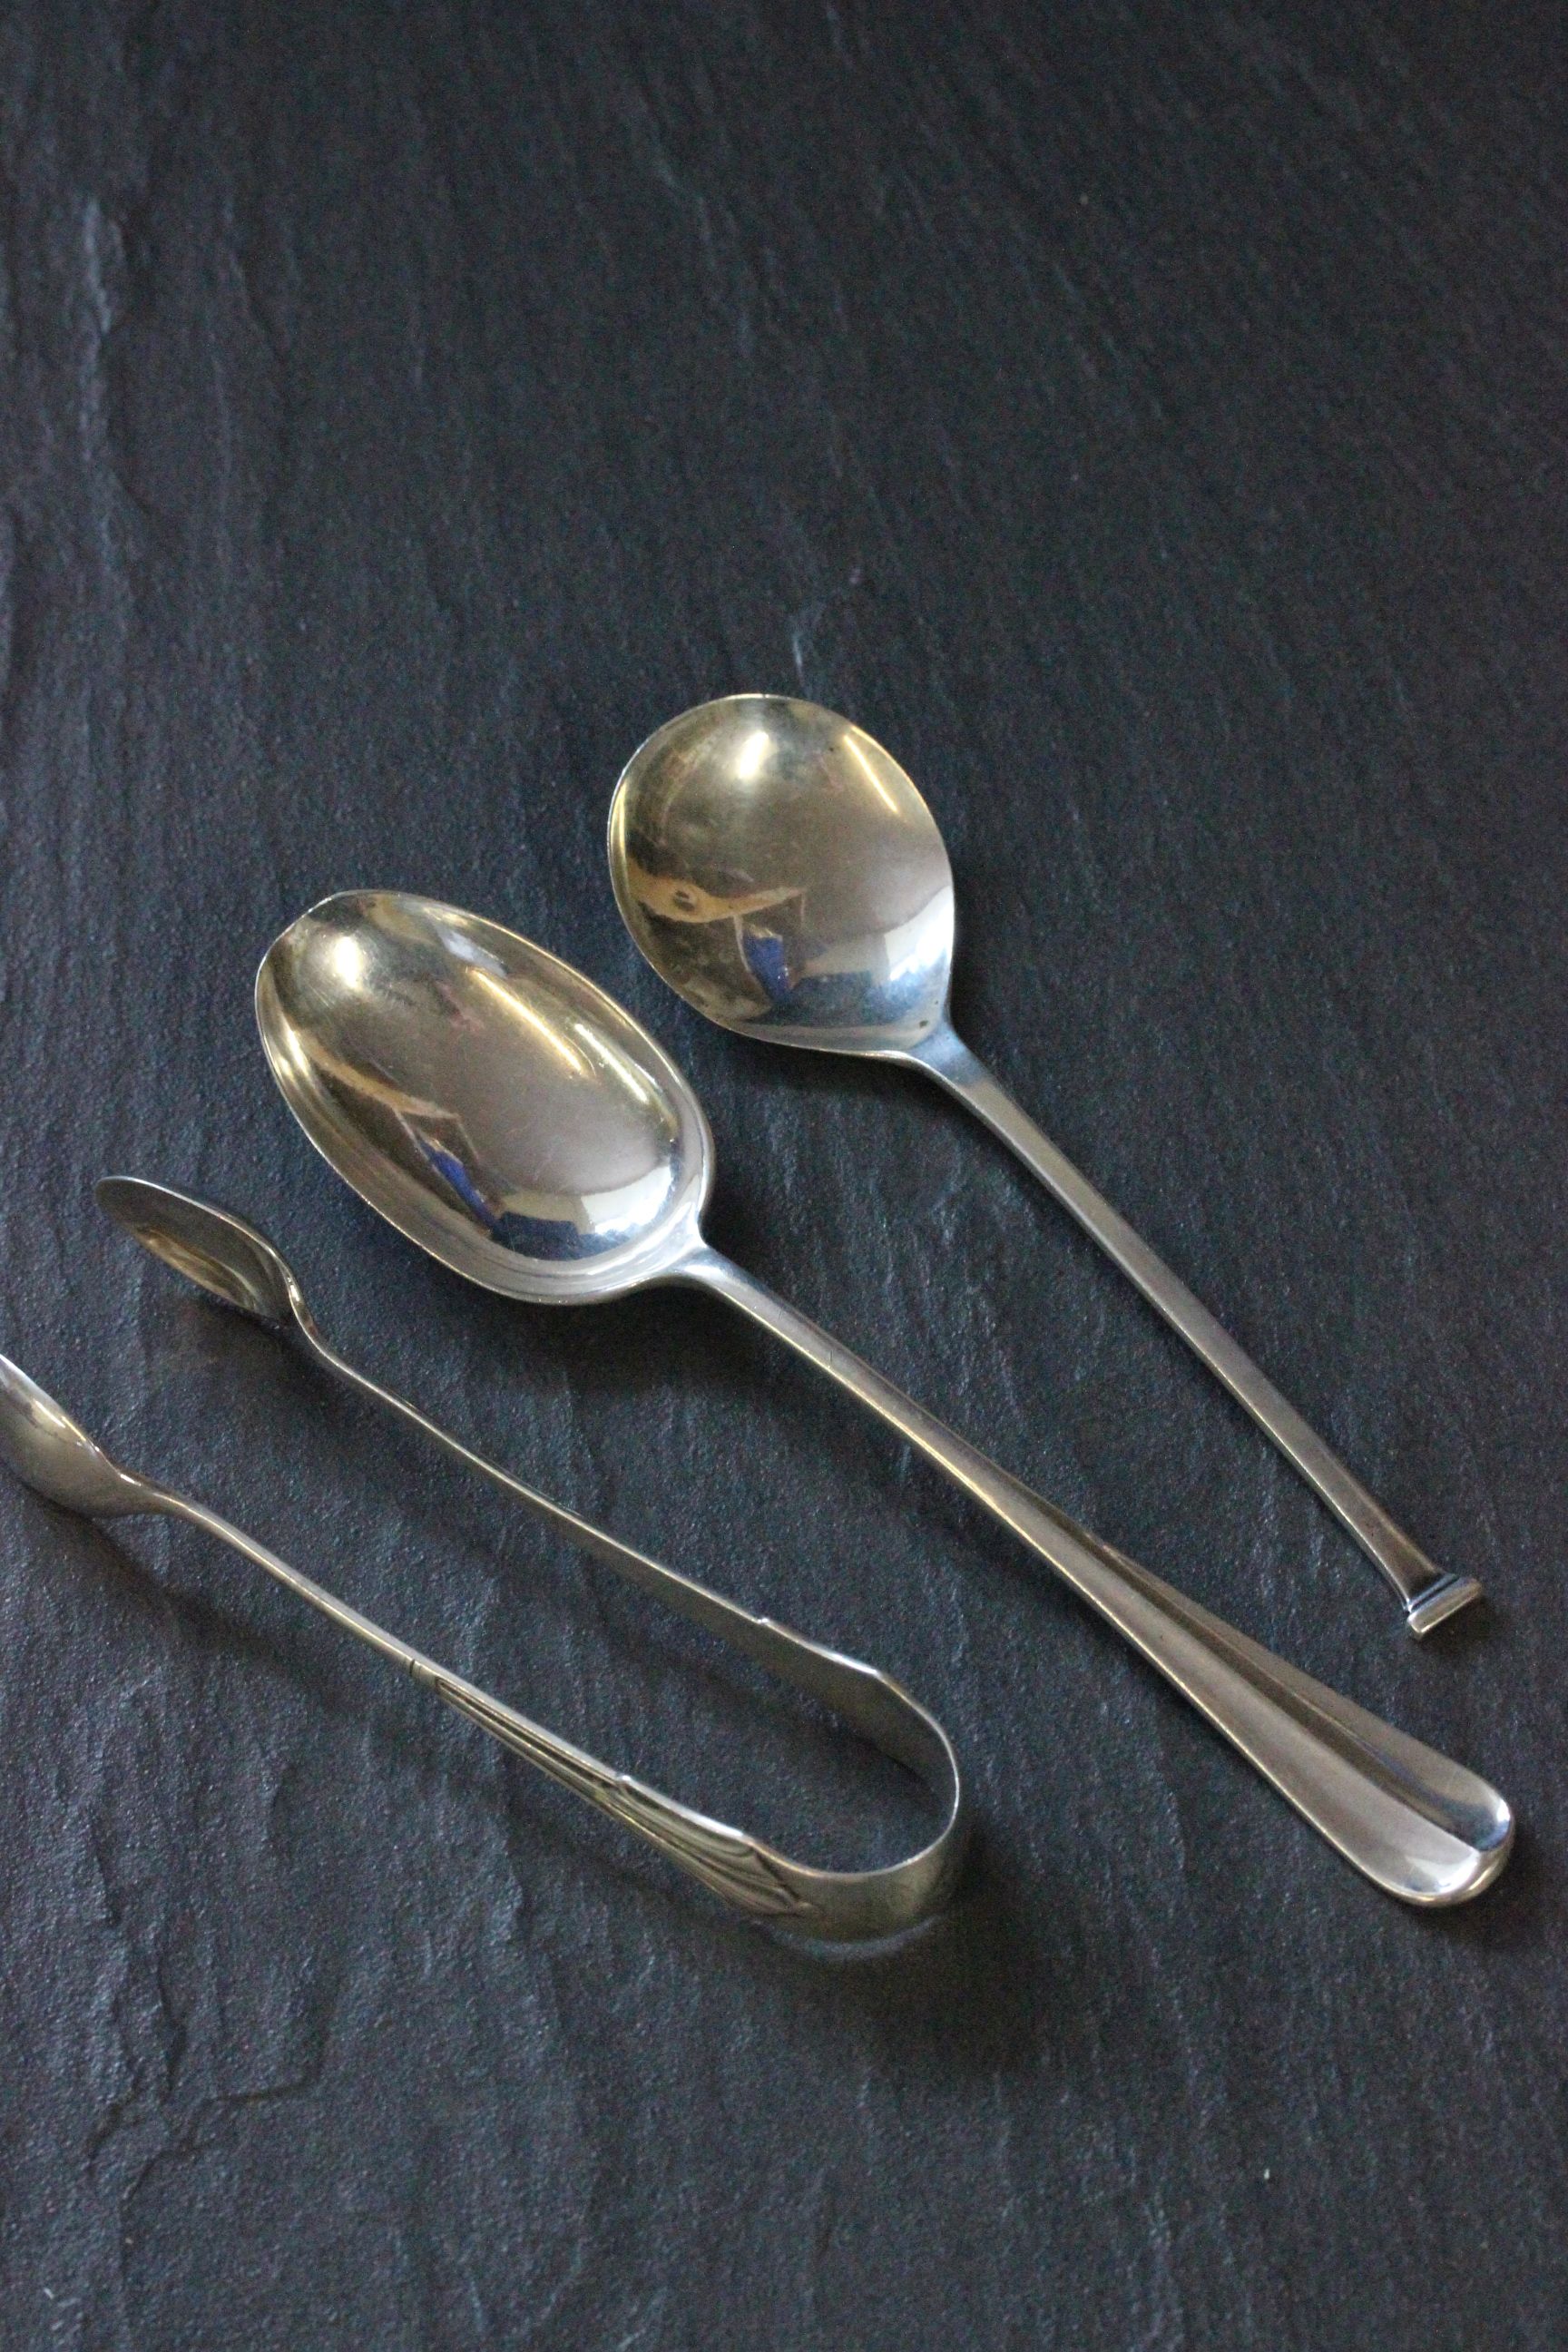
(509, 1117)
(779, 869)
(49, 1452)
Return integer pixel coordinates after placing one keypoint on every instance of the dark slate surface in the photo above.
(1148, 422)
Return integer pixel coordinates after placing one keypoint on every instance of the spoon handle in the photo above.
(1417, 1825)
(1428, 1593)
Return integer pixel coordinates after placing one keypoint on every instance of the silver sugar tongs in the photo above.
(230, 1258)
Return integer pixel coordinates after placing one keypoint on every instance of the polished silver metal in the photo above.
(780, 870)
(509, 1117)
(50, 1452)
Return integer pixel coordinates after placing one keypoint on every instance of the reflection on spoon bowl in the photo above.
(780, 871)
(495, 1106)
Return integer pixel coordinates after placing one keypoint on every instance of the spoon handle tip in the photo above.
(1440, 1601)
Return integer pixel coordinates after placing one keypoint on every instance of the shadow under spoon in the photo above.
(780, 871)
(50, 1452)
(516, 1123)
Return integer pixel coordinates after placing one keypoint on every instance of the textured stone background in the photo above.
(1148, 420)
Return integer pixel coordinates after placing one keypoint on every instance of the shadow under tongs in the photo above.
(973, 1989)
(976, 1982)
(926, 1981)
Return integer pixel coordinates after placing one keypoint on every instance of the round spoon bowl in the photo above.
(782, 873)
(493, 1104)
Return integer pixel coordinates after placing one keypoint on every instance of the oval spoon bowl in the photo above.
(490, 1102)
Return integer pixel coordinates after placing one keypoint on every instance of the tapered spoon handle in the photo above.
(1417, 1825)
(1429, 1593)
